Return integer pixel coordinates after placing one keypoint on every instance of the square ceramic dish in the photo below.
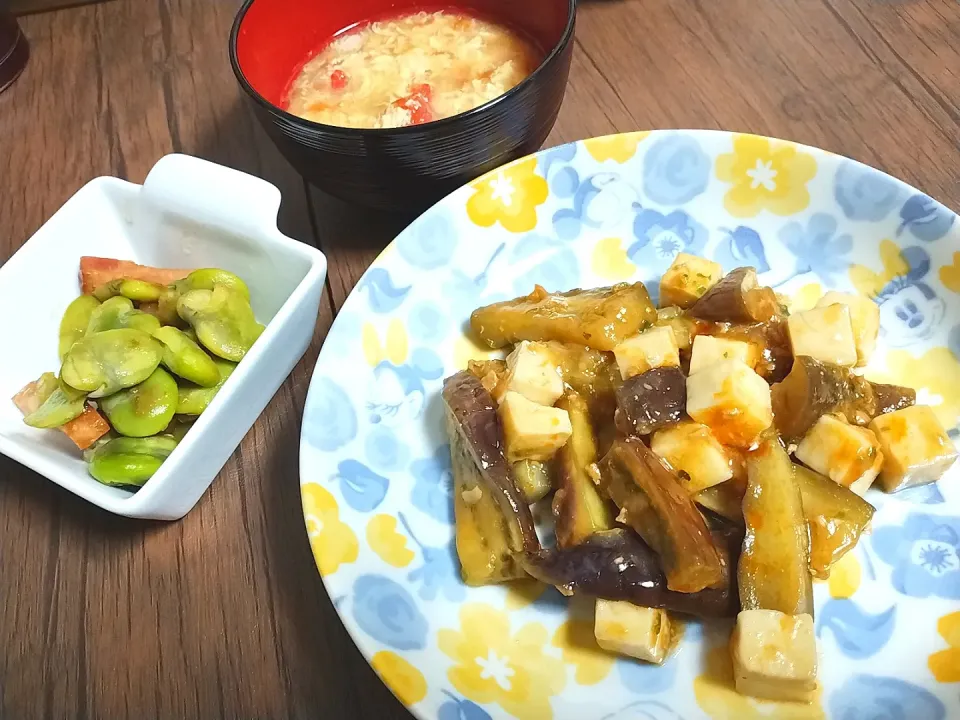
(188, 213)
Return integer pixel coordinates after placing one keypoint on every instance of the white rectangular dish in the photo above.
(189, 213)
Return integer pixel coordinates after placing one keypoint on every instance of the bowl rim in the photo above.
(565, 39)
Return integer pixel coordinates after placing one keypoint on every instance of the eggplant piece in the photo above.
(738, 298)
(653, 400)
(835, 515)
(590, 373)
(473, 415)
(578, 508)
(533, 480)
(653, 502)
(815, 388)
(774, 570)
(482, 534)
(618, 565)
(684, 327)
(601, 318)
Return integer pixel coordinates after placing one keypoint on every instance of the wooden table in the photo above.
(223, 614)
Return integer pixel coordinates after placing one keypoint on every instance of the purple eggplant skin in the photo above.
(474, 414)
(619, 565)
(653, 400)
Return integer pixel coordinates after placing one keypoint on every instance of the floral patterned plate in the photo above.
(375, 468)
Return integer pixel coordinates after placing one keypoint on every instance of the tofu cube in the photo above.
(532, 431)
(640, 632)
(693, 451)
(687, 280)
(847, 454)
(708, 350)
(864, 318)
(653, 348)
(774, 655)
(824, 333)
(532, 372)
(732, 400)
(916, 448)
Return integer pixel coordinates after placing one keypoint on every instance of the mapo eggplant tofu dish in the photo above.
(708, 458)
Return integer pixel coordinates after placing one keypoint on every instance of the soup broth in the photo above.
(410, 70)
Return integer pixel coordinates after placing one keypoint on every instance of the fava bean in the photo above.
(75, 321)
(137, 290)
(145, 409)
(223, 320)
(158, 445)
(118, 312)
(60, 406)
(208, 278)
(124, 468)
(194, 400)
(109, 361)
(183, 357)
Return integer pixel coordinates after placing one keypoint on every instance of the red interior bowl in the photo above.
(403, 168)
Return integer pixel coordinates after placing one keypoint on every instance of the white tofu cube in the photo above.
(774, 655)
(732, 400)
(916, 448)
(532, 372)
(693, 451)
(864, 319)
(824, 333)
(653, 348)
(687, 280)
(640, 632)
(847, 454)
(708, 350)
(532, 431)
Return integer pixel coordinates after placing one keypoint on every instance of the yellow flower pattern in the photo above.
(492, 665)
(870, 283)
(936, 373)
(510, 196)
(579, 648)
(385, 541)
(521, 593)
(950, 274)
(610, 261)
(717, 696)
(407, 683)
(845, 577)
(765, 175)
(332, 541)
(618, 148)
(394, 349)
(945, 664)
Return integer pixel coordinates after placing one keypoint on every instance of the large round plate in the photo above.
(375, 471)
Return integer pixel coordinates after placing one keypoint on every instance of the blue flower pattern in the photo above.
(675, 170)
(869, 697)
(924, 553)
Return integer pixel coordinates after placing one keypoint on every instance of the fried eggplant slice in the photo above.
(738, 298)
(618, 565)
(578, 508)
(482, 535)
(774, 569)
(653, 400)
(653, 502)
(815, 388)
(601, 318)
(472, 414)
(835, 515)
(533, 480)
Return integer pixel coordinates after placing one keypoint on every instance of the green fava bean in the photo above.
(223, 321)
(167, 306)
(159, 445)
(109, 361)
(118, 312)
(194, 400)
(184, 358)
(145, 409)
(75, 321)
(208, 278)
(124, 468)
(136, 290)
(60, 406)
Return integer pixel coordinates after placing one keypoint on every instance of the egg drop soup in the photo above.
(409, 70)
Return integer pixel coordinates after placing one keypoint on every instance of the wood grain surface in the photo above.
(223, 615)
